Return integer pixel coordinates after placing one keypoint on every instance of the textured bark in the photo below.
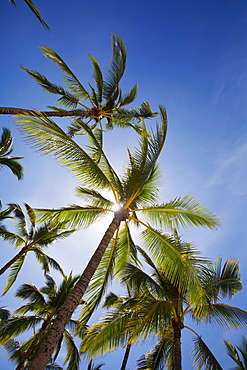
(46, 349)
(15, 258)
(70, 113)
(126, 357)
(31, 349)
(177, 361)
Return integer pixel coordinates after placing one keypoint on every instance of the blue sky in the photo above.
(187, 55)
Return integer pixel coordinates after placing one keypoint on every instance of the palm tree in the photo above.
(32, 238)
(35, 11)
(6, 148)
(238, 352)
(135, 192)
(37, 314)
(159, 305)
(104, 100)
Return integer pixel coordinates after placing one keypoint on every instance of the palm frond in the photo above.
(106, 335)
(67, 99)
(29, 291)
(129, 97)
(234, 353)
(226, 316)
(158, 356)
(74, 215)
(98, 78)
(36, 12)
(94, 198)
(48, 137)
(203, 357)
(13, 273)
(47, 262)
(179, 270)
(228, 278)
(70, 79)
(72, 355)
(16, 326)
(185, 212)
(117, 67)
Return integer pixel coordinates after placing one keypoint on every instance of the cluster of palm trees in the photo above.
(178, 282)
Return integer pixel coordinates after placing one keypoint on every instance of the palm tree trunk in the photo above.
(126, 357)
(177, 361)
(53, 335)
(31, 349)
(70, 113)
(15, 258)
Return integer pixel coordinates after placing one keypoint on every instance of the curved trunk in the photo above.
(126, 357)
(54, 333)
(15, 258)
(177, 359)
(70, 113)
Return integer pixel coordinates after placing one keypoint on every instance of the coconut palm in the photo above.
(135, 192)
(104, 100)
(32, 237)
(34, 10)
(158, 308)
(6, 148)
(37, 314)
(238, 353)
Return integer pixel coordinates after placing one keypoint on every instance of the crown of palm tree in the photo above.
(32, 237)
(6, 148)
(104, 100)
(155, 305)
(135, 191)
(38, 314)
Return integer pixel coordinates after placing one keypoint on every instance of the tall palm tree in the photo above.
(104, 100)
(6, 148)
(158, 307)
(238, 354)
(135, 192)
(32, 237)
(35, 11)
(37, 314)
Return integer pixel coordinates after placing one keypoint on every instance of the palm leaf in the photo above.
(71, 80)
(98, 78)
(35, 11)
(186, 211)
(203, 357)
(72, 354)
(47, 262)
(13, 273)
(117, 66)
(226, 316)
(74, 215)
(67, 99)
(30, 292)
(158, 356)
(16, 326)
(48, 137)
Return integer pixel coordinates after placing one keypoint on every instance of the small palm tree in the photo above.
(157, 307)
(32, 238)
(34, 10)
(6, 148)
(37, 314)
(135, 193)
(238, 354)
(104, 100)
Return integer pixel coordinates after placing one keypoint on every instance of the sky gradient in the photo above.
(187, 55)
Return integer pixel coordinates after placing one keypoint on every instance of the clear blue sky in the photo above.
(190, 56)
